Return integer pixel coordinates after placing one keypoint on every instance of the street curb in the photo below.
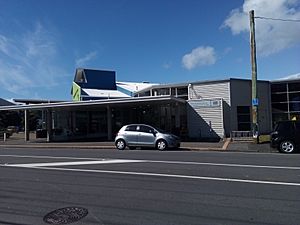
(226, 144)
(96, 147)
(109, 147)
(57, 146)
(224, 148)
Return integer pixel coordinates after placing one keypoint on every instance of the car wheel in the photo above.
(287, 147)
(161, 145)
(120, 144)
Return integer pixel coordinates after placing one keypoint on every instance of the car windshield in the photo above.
(284, 126)
(276, 127)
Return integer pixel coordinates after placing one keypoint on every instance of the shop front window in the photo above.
(243, 118)
(275, 88)
(282, 97)
(294, 87)
(294, 106)
(280, 107)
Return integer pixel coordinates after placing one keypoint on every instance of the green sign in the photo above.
(76, 92)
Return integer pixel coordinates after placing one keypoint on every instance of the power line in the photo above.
(278, 19)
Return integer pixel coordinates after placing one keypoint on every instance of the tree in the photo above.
(9, 118)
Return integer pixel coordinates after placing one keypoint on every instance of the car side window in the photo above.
(131, 128)
(146, 129)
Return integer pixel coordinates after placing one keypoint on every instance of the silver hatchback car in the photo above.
(141, 135)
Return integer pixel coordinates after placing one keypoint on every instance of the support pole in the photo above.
(49, 125)
(26, 125)
(254, 76)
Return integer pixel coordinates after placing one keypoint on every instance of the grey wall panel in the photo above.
(264, 108)
(241, 96)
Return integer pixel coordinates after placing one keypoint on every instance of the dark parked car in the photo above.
(286, 136)
(141, 135)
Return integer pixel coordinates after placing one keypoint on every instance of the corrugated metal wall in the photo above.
(205, 118)
(218, 117)
(219, 90)
(232, 93)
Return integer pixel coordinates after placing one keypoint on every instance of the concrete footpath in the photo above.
(226, 145)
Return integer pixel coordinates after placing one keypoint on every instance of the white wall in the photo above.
(205, 118)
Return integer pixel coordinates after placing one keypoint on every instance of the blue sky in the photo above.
(42, 42)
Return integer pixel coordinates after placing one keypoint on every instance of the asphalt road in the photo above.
(141, 187)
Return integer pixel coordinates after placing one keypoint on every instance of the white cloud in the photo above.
(85, 59)
(39, 42)
(291, 77)
(200, 56)
(28, 61)
(271, 36)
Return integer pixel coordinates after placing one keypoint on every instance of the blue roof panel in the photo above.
(96, 79)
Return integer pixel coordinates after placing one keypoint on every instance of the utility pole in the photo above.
(254, 76)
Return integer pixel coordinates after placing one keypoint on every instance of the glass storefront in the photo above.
(78, 125)
(168, 117)
(285, 100)
(92, 123)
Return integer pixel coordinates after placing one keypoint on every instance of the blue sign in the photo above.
(255, 102)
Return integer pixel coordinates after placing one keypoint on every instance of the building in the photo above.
(201, 110)
(215, 108)
(92, 84)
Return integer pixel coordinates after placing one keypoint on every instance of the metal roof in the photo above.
(104, 93)
(4, 102)
(35, 101)
(106, 102)
(285, 80)
(174, 85)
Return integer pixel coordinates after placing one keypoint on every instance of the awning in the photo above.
(95, 103)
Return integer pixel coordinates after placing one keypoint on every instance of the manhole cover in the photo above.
(66, 215)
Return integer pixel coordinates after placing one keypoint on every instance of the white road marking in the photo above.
(153, 161)
(30, 165)
(49, 166)
(171, 175)
(228, 165)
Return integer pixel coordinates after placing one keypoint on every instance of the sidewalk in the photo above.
(99, 145)
(250, 147)
(16, 142)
